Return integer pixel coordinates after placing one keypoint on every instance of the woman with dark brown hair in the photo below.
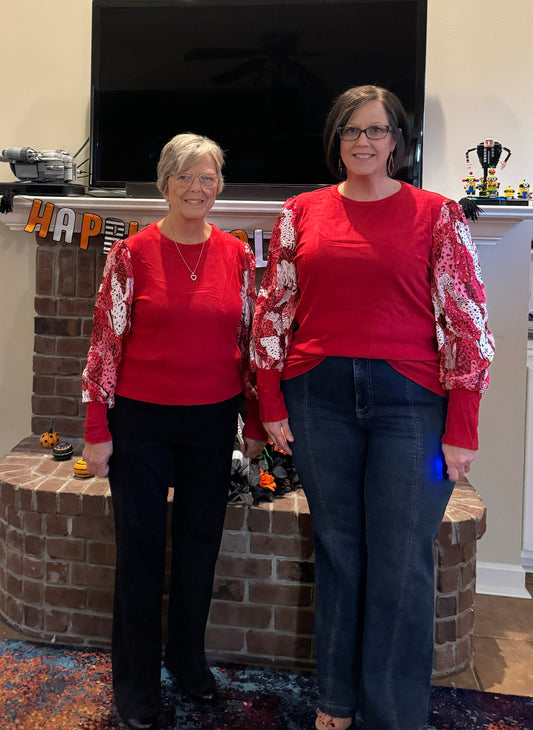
(372, 352)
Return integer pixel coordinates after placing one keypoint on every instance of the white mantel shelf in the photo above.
(496, 220)
(226, 214)
(491, 226)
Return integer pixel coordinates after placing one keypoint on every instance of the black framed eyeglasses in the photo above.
(186, 179)
(376, 131)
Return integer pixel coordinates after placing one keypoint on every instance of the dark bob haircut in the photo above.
(342, 110)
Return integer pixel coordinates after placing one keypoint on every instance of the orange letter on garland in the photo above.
(239, 233)
(42, 220)
(91, 226)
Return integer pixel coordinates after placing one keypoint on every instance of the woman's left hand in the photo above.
(252, 448)
(458, 461)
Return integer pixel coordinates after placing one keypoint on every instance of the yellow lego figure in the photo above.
(470, 182)
(492, 184)
(523, 190)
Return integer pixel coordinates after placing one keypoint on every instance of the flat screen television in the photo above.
(257, 76)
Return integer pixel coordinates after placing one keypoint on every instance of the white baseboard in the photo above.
(501, 579)
(527, 560)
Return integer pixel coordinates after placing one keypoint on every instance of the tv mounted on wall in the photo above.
(258, 76)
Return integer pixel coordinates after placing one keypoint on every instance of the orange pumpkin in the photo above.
(49, 439)
(81, 471)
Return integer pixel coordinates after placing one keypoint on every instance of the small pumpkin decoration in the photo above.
(81, 471)
(49, 439)
(62, 451)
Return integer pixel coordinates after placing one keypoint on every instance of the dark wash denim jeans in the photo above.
(367, 450)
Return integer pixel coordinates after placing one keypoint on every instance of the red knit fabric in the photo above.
(160, 337)
(396, 279)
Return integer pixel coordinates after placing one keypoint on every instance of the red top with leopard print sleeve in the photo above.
(160, 337)
(396, 279)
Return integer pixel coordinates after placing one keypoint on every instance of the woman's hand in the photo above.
(458, 461)
(280, 434)
(97, 457)
(252, 448)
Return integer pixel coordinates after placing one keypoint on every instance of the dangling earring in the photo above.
(390, 165)
(341, 168)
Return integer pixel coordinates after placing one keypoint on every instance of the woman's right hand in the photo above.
(97, 457)
(280, 434)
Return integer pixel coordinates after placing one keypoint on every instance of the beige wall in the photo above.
(479, 65)
(45, 57)
(478, 85)
(17, 287)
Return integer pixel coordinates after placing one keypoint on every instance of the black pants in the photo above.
(156, 447)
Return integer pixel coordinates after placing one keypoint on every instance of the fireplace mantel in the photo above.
(249, 215)
(226, 214)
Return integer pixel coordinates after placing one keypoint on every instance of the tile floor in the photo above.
(503, 639)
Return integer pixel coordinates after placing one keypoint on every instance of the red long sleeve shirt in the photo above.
(396, 279)
(160, 337)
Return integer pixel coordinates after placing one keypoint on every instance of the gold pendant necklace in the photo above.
(192, 272)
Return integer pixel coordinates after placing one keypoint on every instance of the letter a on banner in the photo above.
(65, 221)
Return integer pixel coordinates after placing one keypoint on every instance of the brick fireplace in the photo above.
(67, 281)
(57, 556)
(56, 532)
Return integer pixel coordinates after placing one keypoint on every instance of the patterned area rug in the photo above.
(45, 687)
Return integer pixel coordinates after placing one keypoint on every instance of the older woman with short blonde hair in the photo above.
(184, 151)
(168, 361)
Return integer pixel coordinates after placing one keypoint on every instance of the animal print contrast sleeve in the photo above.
(465, 344)
(248, 296)
(112, 321)
(252, 425)
(276, 306)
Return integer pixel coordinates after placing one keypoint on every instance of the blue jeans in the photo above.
(367, 450)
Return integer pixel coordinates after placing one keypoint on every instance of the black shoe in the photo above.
(148, 722)
(201, 686)
(142, 723)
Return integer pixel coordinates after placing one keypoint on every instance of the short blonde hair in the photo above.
(182, 152)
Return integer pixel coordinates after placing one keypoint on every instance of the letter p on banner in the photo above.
(91, 225)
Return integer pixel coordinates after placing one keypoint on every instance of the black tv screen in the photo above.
(257, 76)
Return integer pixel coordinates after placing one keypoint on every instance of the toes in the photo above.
(328, 722)
(323, 720)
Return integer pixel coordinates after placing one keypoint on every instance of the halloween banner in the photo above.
(113, 229)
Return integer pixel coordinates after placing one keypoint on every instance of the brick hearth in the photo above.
(57, 557)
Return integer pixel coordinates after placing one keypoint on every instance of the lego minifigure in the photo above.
(489, 153)
(523, 190)
(470, 184)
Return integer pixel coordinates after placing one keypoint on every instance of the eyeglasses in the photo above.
(376, 131)
(186, 179)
